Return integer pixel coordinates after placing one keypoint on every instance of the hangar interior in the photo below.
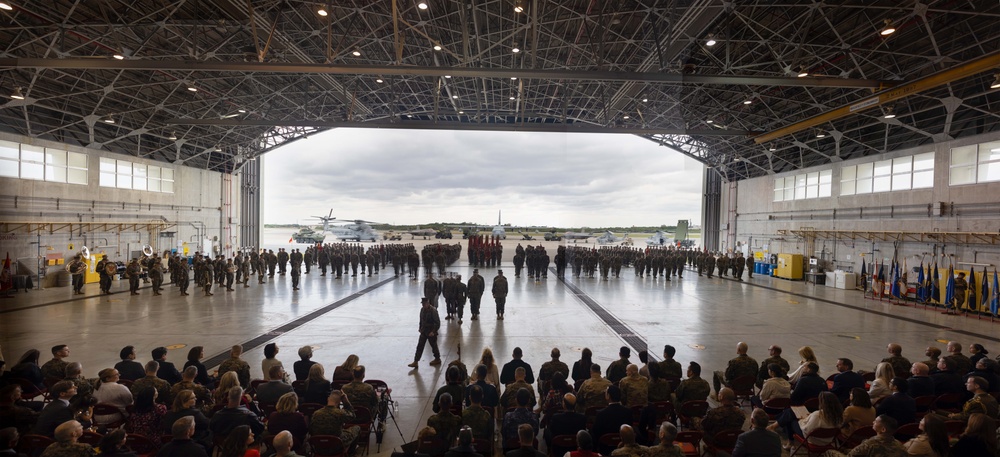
(822, 133)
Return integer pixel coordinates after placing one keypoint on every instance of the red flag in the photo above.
(6, 277)
(290, 239)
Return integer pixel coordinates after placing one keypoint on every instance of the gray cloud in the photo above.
(410, 177)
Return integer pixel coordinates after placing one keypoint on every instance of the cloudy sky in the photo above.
(536, 179)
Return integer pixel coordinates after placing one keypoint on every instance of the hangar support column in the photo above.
(711, 210)
(250, 204)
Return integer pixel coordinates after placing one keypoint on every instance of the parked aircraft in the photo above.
(423, 232)
(348, 230)
(608, 238)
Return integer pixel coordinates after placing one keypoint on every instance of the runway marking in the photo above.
(627, 335)
(293, 324)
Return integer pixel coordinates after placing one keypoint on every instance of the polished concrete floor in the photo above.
(376, 318)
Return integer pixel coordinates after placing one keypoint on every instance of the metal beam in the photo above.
(385, 70)
(427, 125)
(940, 78)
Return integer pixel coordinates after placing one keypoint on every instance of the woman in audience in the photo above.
(27, 368)
(859, 414)
(270, 351)
(978, 439)
(774, 387)
(238, 443)
(978, 352)
(581, 368)
(492, 373)
(829, 415)
(185, 405)
(113, 445)
(807, 355)
(145, 418)
(317, 387)
(584, 446)
(13, 414)
(345, 373)
(194, 360)
(880, 387)
(933, 441)
(287, 417)
(108, 391)
(553, 400)
(226, 382)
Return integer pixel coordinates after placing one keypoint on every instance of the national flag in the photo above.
(949, 289)
(921, 291)
(972, 303)
(6, 276)
(864, 275)
(935, 288)
(995, 302)
(984, 293)
(894, 289)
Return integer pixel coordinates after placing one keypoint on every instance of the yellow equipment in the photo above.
(789, 266)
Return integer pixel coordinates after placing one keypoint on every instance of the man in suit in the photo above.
(846, 379)
(920, 382)
(490, 396)
(182, 445)
(167, 372)
(128, 368)
(59, 410)
(759, 441)
(565, 422)
(809, 385)
(611, 418)
(507, 373)
(899, 405)
(234, 415)
(275, 387)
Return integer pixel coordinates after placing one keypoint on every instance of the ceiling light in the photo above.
(513, 78)
(5, 6)
(241, 111)
(321, 12)
(437, 47)
(709, 121)
(118, 56)
(173, 136)
(17, 95)
(356, 53)
(625, 116)
(109, 120)
(820, 134)
(515, 50)
(461, 112)
(888, 113)
(996, 82)
(518, 6)
(379, 80)
(447, 76)
(888, 29)
(645, 100)
(409, 115)
(192, 89)
(747, 102)
(511, 97)
(711, 40)
(218, 149)
(454, 96)
(772, 149)
(803, 72)
(422, 5)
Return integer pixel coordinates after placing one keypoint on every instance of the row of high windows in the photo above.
(25, 161)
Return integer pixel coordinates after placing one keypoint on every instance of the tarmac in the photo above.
(376, 318)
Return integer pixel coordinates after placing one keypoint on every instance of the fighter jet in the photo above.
(578, 235)
(423, 232)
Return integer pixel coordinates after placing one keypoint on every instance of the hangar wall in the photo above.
(940, 208)
(204, 205)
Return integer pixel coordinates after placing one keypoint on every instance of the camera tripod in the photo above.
(385, 407)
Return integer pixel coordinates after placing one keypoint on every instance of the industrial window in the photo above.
(44, 164)
(989, 162)
(901, 173)
(803, 186)
(975, 164)
(128, 175)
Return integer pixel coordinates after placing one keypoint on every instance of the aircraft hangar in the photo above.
(850, 132)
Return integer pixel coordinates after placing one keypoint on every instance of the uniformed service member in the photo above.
(133, 271)
(476, 286)
(500, 293)
(76, 268)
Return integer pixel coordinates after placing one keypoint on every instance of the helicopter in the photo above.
(608, 238)
(356, 230)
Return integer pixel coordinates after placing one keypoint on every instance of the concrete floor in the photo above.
(703, 318)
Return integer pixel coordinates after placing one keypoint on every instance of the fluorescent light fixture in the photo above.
(109, 120)
(192, 89)
(322, 12)
(229, 116)
(996, 82)
(379, 80)
(6, 6)
(888, 113)
(518, 6)
(512, 97)
(645, 100)
(513, 78)
(437, 47)
(241, 111)
(454, 96)
(772, 149)
(709, 121)
(747, 102)
(710, 41)
(422, 5)
(118, 56)
(625, 116)
(447, 76)
(461, 112)
(17, 95)
(889, 29)
(820, 134)
(218, 149)
(173, 136)
(803, 72)
(356, 53)
(516, 50)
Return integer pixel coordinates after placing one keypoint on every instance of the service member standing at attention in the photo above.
(500, 293)
(76, 268)
(430, 322)
(296, 274)
(476, 286)
(102, 270)
(133, 271)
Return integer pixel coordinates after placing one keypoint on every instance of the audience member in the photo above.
(109, 392)
(302, 366)
(237, 443)
(317, 387)
(445, 422)
(58, 411)
(526, 438)
(860, 413)
(201, 392)
(194, 360)
(693, 388)
(758, 441)
(225, 420)
(565, 422)
(270, 391)
(978, 439)
(899, 405)
(146, 414)
(182, 445)
(741, 365)
(727, 416)
(331, 419)
(962, 363)
(464, 447)
(56, 368)
(810, 385)
(128, 367)
(774, 356)
(920, 381)
(344, 373)
(808, 356)
(581, 368)
(846, 379)
(946, 380)
(150, 381)
(880, 387)
(236, 364)
(490, 396)
(507, 375)
(27, 368)
(900, 365)
(66, 445)
(521, 415)
(634, 387)
(286, 417)
(933, 438)
(981, 402)
(670, 368)
(283, 443)
(616, 370)
(113, 444)
(167, 372)
(184, 405)
(978, 353)
(628, 447)
(584, 446)
(508, 399)
(611, 417)
(475, 417)
(882, 444)
(270, 352)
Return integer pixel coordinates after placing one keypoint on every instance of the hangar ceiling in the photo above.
(215, 83)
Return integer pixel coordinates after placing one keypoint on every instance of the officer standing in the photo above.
(76, 268)
(183, 275)
(461, 293)
(102, 270)
(296, 273)
(432, 288)
(500, 293)
(133, 271)
(430, 322)
(476, 287)
(156, 274)
(230, 274)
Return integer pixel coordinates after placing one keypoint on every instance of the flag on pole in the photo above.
(995, 302)
(921, 291)
(6, 277)
(864, 275)
(949, 289)
(894, 290)
(973, 304)
(984, 294)
(935, 287)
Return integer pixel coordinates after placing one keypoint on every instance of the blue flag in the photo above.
(949, 289)
(935, 285)
(984, 295)
(973, 303)
(921, 290)
(864, 275)
(995, 302)
(894, 290)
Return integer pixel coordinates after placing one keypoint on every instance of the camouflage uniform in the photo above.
(509, 397)
(446, 424)
(152, 382)
(55, 368)
(635, 391)
(616, 370)
(360, 393)
(330, 421)
(548, 370)
(742, 365)
(631, 450)
(203, 395)
(762, 374)
(658, 390)
(479, 420)
(84, 388)
(68, 450)
(671, 368)
(875, 446)
(662, 451)
(721, 418)
(241, 368)
(900, 366)
(591, 394)
(980, 403)
(693, 389)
